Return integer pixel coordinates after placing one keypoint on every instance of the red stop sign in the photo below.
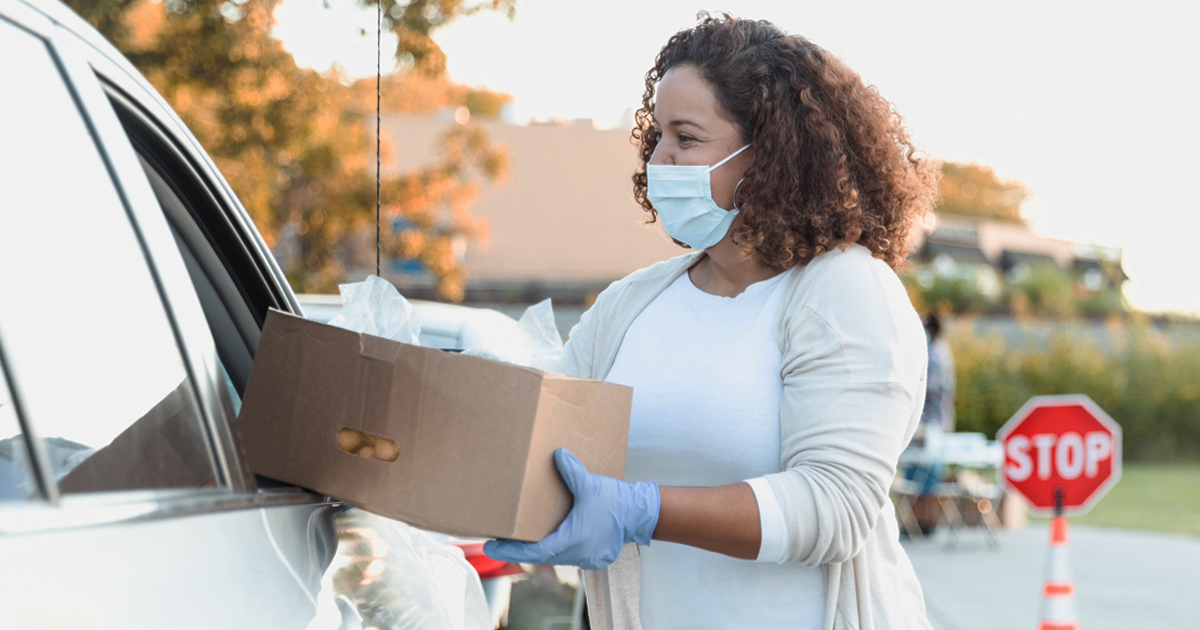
(1061, 441)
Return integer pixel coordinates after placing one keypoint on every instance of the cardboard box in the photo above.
(471, 440)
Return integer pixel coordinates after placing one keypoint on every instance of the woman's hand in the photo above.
(607, 514)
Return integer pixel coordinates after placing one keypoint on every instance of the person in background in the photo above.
(777, 370)
(939, 385)
(937, 417)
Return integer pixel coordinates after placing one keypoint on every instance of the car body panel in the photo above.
(246, 567)
(230, 556)
(246, 552)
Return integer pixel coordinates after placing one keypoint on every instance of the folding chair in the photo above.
(904, 495)
(977, 500)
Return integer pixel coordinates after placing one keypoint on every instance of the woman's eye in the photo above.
(657, 134)
(685, 138)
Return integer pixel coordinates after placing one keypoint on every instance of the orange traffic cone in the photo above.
(1058, 594)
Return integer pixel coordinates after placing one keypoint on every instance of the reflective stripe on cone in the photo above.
(1058, 591)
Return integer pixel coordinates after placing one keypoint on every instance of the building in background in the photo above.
(564, 225)
(1012, 249)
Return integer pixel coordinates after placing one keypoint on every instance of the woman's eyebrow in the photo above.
(680, 122)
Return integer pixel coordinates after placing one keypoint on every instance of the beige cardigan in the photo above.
(853, 384)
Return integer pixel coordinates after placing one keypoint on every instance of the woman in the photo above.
(778, 371)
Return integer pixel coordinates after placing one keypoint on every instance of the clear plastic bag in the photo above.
(396, 577)
(546, 347)
(375, 307)
(63, 454)
(535, 341)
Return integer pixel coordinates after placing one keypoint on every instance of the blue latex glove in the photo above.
(607, 514)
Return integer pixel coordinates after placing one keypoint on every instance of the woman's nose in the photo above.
(661, 156)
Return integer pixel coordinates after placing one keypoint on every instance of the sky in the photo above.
(1095, 106)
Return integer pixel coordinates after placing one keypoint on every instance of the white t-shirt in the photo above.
(706, 376)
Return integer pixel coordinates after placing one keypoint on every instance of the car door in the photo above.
(123, 499)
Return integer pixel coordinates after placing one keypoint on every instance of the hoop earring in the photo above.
(735, 192)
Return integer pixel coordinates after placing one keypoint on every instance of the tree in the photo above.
(293, 143)
(974, 190)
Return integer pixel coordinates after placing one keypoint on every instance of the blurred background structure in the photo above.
(563, 226)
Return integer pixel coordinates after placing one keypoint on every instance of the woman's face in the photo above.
(693, 131)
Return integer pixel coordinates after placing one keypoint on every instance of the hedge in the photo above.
(1147, 378)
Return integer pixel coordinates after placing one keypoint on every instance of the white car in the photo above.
(133, 289)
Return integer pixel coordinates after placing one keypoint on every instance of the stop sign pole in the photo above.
(1060, 447)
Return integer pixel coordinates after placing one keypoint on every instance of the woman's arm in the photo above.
(723, 519)
(854, 380)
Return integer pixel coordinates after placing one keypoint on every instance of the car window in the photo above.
(15, 481)
(99, 372)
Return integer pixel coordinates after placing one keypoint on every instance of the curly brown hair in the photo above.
(833, 163)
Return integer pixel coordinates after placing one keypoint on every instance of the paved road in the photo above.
(1124, 579)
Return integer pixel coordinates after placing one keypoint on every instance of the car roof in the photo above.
(118, 72)
(73, 23)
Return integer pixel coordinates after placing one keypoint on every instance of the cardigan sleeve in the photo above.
(582, 354)
(579, 351)
(853, 385)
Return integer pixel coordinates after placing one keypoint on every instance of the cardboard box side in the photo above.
(295, 396)
(308, 382)
(588, 418)
(472, 427)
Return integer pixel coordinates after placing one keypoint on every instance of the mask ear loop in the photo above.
(739, 184)
(727, 158)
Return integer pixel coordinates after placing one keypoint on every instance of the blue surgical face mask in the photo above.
(682, 196)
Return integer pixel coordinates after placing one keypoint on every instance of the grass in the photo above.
(1159, 497)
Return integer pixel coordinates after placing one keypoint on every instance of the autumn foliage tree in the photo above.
(975, 190)
(295, 144)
